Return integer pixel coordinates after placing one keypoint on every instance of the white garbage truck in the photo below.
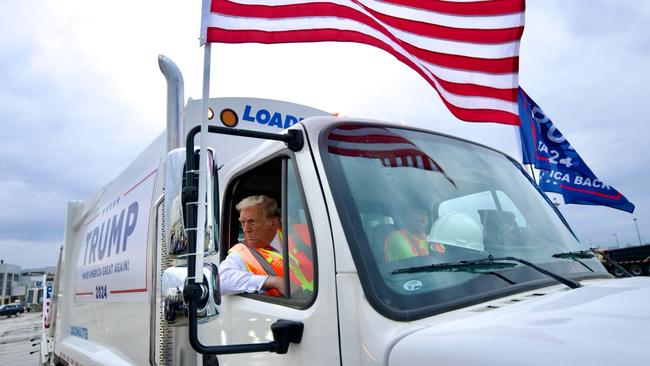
(497, 278)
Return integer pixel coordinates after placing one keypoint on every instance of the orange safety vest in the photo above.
(417, 246)
(300, 265)
(270, 256)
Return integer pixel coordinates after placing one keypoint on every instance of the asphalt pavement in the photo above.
(15, 333)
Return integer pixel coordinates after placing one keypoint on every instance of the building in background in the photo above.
(33, 279)
(9, 277)
(24, 285)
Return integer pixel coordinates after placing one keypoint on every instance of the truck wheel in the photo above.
(636, 270)
(618, 272)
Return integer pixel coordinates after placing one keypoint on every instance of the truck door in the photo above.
(247, 318)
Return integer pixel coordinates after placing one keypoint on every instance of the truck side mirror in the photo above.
(174, 307)
(176, 205)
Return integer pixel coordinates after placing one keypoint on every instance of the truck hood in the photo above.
(601, 323)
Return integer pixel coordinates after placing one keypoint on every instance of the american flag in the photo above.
(380, 143)
(468, 51)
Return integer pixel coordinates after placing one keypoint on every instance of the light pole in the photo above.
(637, 231)
(617, 243)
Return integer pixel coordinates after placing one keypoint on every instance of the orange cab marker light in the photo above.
(229, 118)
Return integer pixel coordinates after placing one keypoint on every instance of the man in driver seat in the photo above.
(411, 241)
(256, 265)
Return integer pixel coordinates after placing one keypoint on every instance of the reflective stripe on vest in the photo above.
(420, 244)
(273, 258)
(300, 265)
(437, 247)
(417, 246)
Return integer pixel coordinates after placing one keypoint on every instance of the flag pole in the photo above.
(532, 171)
(529, 168)
(203, 158)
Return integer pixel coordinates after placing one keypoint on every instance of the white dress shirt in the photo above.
(234, 278)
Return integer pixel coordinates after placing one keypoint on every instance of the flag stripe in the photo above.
(474, 8)
(467, 51)
(374, 145)
(451, 33)
(383, 139)
(481, 21)
(391, 149)
(460, 76)
(363, 13)
(494, 66)
(370, 151)
(467, 108)
(360, 21)
(468, 83)
(476, 21)
(616, 197)
(499, 65)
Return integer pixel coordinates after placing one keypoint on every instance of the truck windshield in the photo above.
(410, 198)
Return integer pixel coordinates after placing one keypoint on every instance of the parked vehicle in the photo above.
(11, 309)
(635, 260)
(503, 279)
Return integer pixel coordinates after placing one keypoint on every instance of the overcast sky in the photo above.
(81, 94)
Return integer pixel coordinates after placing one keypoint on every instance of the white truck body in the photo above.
(108, 305)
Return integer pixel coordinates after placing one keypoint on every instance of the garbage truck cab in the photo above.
(413, 247)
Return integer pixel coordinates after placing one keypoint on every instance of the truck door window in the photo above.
(301, 252)
(267, 179)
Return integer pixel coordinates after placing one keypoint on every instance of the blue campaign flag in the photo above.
(562, 169)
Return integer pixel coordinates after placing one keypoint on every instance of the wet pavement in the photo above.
(15, 335)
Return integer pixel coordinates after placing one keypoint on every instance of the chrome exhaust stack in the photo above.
(175, 102)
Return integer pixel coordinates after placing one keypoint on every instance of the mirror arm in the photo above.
(284, 331)
(293, 138)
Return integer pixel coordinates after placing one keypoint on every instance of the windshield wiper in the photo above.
(584, 254)
(576, 256)
(486, 263)
(611, 261)
(464, 266)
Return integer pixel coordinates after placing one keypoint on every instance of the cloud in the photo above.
(30, 253)
(65, 132)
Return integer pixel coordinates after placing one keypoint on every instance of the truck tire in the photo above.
(618, 272)
(636, 270)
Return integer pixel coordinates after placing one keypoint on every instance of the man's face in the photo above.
(418, 221)
(259, 230)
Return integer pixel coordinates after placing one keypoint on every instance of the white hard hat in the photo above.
(458, 229)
